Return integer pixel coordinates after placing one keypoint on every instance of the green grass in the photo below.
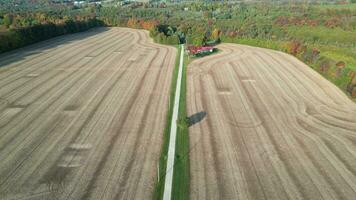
(264, 43)
(181, 166)
(158, 194)
(348, 55)
(346, 6)
(323, 35)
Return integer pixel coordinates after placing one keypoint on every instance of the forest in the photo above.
(321, 35)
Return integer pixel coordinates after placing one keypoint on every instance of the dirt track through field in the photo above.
(82, 116)
(275, 129)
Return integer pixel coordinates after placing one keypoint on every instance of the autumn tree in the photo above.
(215, 35)
(149, 24)
(296, 48)
(133, 23)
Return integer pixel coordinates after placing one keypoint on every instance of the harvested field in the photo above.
(82, 116)
(275, 129)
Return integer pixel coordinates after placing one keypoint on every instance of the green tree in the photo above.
(7, 21)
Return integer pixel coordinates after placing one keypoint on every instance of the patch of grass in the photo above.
(335, 6)
(180, 188)
(342, 81)
(264, 43)
(158, 194)
(348, 55)
(181, 174)
(323, 35)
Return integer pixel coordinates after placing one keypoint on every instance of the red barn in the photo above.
(199, 49)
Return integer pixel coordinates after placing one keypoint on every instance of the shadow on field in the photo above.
(196, 118)
(21, 53)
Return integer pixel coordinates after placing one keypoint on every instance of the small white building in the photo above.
(79, 3)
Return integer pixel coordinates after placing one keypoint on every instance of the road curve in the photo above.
(82, 116)
(275, 129)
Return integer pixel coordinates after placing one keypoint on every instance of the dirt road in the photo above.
(275, 129)
(168, 180)
(82, 116)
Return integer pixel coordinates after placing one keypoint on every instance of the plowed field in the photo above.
(82, 116)
(275, 129)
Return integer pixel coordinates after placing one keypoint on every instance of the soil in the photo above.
(82, 116)
(274, 129)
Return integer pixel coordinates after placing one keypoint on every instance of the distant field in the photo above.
(347, 55)
(346, 6)
(275, 129)
(82, 116)
(323, 35)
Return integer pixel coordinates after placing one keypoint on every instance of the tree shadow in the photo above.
(196, 118)
(39, 47)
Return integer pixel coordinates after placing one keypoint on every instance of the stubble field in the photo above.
(274, 129)
(82, 116)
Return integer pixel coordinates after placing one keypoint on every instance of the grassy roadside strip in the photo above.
(181, 174)
(158, 193)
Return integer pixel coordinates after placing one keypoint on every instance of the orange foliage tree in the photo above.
(296, 48)
(215, 35)
(149, 24)
(133, 23)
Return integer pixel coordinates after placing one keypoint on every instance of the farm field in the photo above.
(275, 129)
(82, 116)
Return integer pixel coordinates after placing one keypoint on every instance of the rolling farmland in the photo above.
(275, 129)
(82, 116)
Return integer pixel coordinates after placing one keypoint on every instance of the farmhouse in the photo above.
(194, 50)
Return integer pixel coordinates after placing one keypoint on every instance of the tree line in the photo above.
(19, 37)
(18, 29)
